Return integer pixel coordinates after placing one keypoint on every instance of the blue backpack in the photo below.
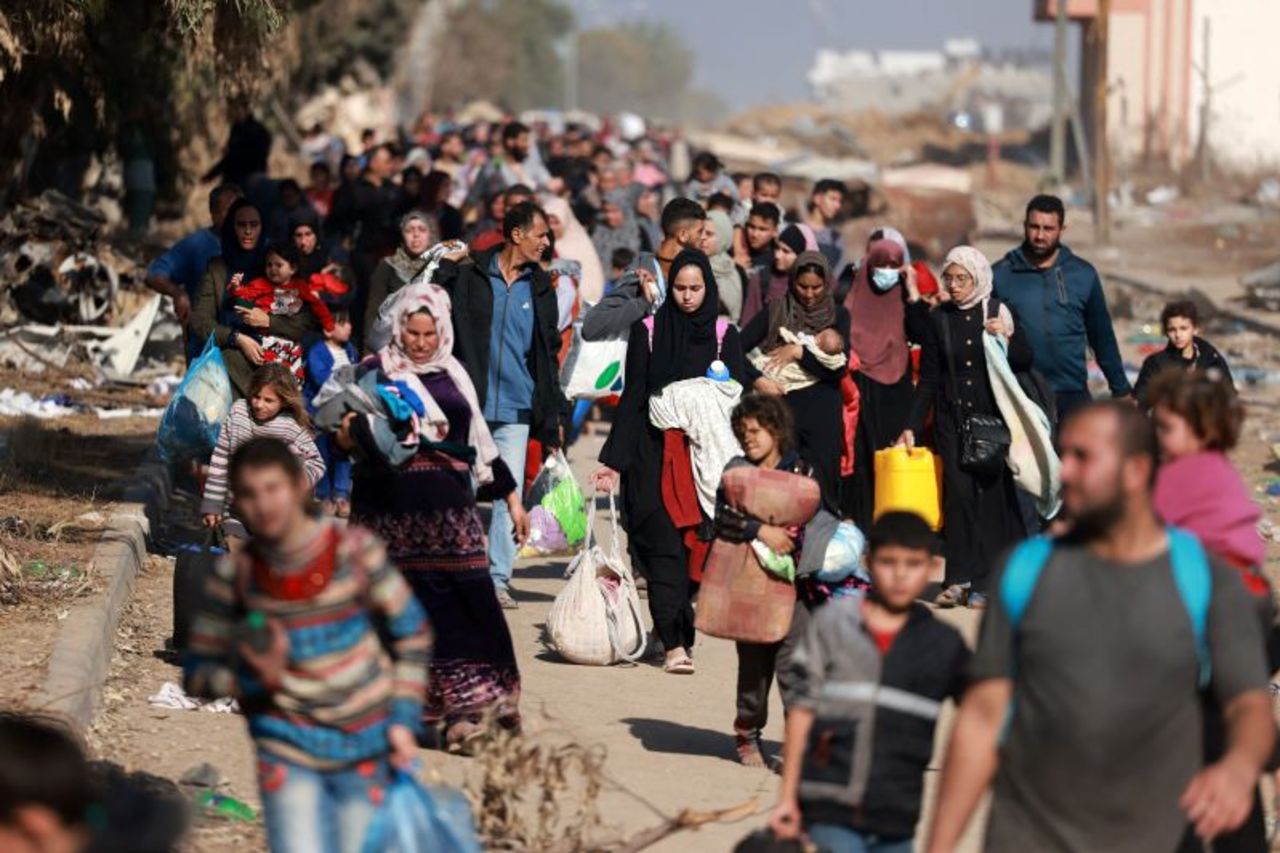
(1191, 574)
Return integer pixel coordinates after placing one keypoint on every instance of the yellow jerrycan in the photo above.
(909, 480)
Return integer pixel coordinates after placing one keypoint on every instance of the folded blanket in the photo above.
(1032, 456)
(701, 408)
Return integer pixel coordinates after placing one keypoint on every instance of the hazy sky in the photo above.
(757, 51)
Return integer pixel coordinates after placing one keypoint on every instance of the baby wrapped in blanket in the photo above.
(827, 346)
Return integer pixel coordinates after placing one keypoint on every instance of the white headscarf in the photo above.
(576, 245)
(397, 364)
(979, 268)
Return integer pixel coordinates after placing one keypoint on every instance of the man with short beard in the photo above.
(519, 164)
(1058, 300)
(1085, 709)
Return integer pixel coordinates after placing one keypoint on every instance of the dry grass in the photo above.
(537, 792)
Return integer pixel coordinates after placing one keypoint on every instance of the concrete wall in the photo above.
(1244, 54)
(1155, 94)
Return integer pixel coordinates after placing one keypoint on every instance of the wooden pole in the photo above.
(1058, 134)
(1206, 111)
(1101, 153)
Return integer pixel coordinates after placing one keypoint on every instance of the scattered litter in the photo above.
(20, 403)
(172, 696)
(163, 387)
(221, 805)
(16, 526)
(1162, 195)
(1268, 194)
(117, 414)
(1273, 489)
(203, 775)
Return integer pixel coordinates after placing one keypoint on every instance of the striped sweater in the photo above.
(238, 428)
(342, 687)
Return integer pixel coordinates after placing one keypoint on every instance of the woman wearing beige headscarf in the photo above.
(717, 243)
(573, 243)
(981, 516)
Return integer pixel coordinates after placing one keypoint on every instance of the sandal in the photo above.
(953, 596)
(342, 508)
(682, 665)
(750, 752)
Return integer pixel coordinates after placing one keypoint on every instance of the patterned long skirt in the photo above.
(428, 517)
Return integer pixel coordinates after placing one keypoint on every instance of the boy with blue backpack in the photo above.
(1084, 710)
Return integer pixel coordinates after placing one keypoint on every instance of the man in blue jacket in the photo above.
(1059, 303)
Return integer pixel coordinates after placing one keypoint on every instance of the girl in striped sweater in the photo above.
(274, 409)
(325, 646)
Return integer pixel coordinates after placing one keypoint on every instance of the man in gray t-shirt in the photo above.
(1104, 752)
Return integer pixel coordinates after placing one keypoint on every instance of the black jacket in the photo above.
(1207, 358)
(874, 715)
(468, 286)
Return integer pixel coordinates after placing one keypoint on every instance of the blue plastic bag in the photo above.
(843, 557)
(195, 413)
(414, 819)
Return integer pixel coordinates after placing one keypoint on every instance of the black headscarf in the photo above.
(252, 262)
(684, 344)
(309, 265)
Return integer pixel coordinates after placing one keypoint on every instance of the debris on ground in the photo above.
(56, 265)
(172, 696)
(202, 775)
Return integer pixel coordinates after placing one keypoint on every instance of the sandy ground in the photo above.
(668, 738)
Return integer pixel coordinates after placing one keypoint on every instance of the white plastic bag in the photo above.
(593, 369)
(596, 619)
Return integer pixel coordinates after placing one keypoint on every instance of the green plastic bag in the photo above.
(781, 566)
(557, 511)
(568, 506)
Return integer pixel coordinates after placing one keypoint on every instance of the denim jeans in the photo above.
(833, 838)
(336, 482)
(319, 811)
(513, 442)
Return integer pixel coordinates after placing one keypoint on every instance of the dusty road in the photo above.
(668, 737)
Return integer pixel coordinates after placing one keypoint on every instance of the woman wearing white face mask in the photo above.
(878, 337)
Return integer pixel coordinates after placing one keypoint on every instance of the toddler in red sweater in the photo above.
(282, 294)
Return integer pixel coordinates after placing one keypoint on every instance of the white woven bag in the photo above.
(596, 619)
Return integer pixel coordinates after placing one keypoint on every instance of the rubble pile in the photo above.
(75, 314)
(55, 265)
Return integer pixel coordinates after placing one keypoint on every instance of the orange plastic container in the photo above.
(909, 481)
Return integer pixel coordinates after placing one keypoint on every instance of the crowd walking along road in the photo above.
(393, 379)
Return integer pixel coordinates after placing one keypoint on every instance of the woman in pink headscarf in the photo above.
(425, 511)
(877, 306)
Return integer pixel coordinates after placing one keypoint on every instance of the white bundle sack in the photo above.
(596, 618)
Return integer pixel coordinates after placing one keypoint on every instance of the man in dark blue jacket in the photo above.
(1059, 302)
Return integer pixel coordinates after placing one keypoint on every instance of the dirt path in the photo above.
(668, 738)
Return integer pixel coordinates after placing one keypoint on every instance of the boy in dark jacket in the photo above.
(870, 676)
(1185, 350)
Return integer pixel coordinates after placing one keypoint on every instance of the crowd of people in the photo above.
(396, 330)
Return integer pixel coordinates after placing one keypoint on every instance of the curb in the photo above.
(82, 652)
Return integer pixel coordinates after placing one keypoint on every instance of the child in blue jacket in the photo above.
(326, 355)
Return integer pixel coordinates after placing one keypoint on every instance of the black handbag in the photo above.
(984, 439)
